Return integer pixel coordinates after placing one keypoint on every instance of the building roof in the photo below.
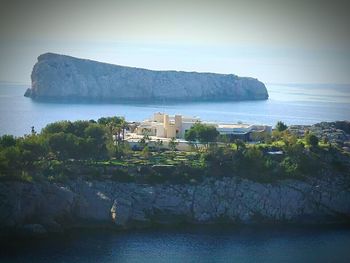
(234, 126)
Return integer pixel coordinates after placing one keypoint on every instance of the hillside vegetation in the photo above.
(96, 150)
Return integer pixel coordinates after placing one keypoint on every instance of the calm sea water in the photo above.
(293, 104)
(194, 244)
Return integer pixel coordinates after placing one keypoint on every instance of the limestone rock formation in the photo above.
(230, 199)
(67, 78)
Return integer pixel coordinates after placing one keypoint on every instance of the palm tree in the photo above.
(112, 130)
(116, 126)
(124, 125)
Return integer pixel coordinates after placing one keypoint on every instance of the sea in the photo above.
(189, 244)
(292, 104)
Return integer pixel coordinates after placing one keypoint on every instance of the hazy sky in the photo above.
(276, 41)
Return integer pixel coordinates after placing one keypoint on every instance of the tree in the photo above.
(124, 125)
(281, 126)
(56, 127)
(191, 137)
(253, 161)
(97, 134)
(106, 120)
(63, 145)
(202, 133)
(240, 145)
(10, 160)
(207, 134)
(122, 149)
(158, 144)
(311, 139)
(115, 125)
(33, 147)
(143, 142)
(295, 151)
(33, 132)
(95, 131)
(7, 141)
(78, 128)
(290, 166)
(145, 152)
(173, 143)
(289, 139)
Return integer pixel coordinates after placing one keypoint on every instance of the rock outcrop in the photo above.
(231, 200)
(67, 78)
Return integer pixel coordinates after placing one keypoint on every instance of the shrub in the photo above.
(7, 141)
(145, 152)
(281, 126)
(311, 140)
(290, 167)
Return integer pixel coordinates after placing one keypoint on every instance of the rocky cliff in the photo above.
(62, 77)
(47, 207)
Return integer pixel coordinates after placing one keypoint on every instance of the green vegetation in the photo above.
(59, 141)
(311, 140)
(281, 126)
(202, 133)
(172, 144)
(96, 150)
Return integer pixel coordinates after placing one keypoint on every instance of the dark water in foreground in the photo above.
(192, 244)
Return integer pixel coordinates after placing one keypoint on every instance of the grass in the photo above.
(156, 158)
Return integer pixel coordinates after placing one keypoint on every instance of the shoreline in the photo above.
(50, 208)
(130, 101)
(45, 190)
(16, 237)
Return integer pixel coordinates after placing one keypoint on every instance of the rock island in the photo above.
(60, 77)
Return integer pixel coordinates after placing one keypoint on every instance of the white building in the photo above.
(162, 125)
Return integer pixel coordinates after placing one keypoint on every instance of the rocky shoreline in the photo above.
(42, 207)
(37, 209)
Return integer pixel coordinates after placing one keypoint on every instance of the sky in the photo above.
(276, 41)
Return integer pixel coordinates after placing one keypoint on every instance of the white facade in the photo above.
(164, 126)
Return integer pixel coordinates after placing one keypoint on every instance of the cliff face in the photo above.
(231, 200)
(63, 77)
